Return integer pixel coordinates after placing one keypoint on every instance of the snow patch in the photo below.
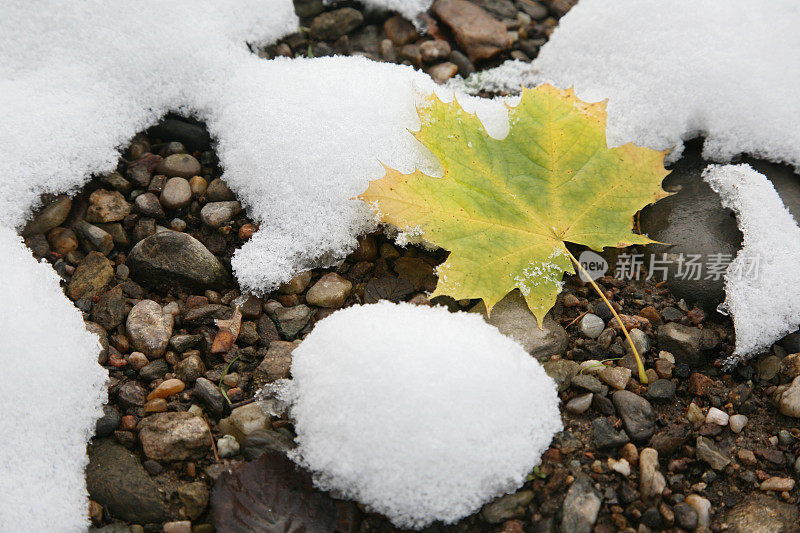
(676, 70)
(761, 282)
(51, 397)
(418, 413)
(410, 9)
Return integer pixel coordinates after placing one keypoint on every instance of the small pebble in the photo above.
(778, 484)
(227, 446)
(737, 423)
(592, 325)
(167, 389)
(622, 466)
(717, 416)
(580, 404)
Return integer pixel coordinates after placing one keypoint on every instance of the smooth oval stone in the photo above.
(170, 257)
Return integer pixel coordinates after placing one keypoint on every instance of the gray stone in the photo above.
(636, 413)
(189, 369)
(154, 370)
(194, 497)
(218, 191)
(169, 258)
(333, 24)
(707, 451)
(48, 218)
(174, 436)
(176, 193)
(686, 516)
(759, 513)
(149, 328)
(131, 394)
(640, 340)
(562, 372)
(580, 404)
(261, 441)
(93, 238)
(179, 165)
(689, 345)
(592, 325)
(507, 507)
(605, 436)
(182, 343)
(276, 363)
(102, 335)
(110, 309)
(148, 205)
(590, 383)
(513, 318)
(581, 506)
(107, 423)
(209, 395)
(216, 214)
(116, 480)
(290, 320)
(661, 389)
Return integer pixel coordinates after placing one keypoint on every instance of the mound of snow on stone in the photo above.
(675, 70)
(761, 284)
(52, 392)
(408, 8)
(416, 412)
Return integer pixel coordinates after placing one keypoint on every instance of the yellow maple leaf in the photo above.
(505, 208)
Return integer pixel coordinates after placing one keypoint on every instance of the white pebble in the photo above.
(622, 466)
(196, 410)
(717, 416)
(592, 366)
(703, 508)
(227, 446)
(592, 325)
(738, 422)
(666, 356)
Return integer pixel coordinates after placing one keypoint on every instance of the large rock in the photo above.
(581, 506)
(513, 318)
(171, 257)
(117, 480)
(759, 513)
(477, 33)
(693, 221)
(174, 436)
(149, 328)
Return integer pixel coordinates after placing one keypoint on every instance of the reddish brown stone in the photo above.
(479, 34)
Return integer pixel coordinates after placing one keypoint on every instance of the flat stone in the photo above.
(778, 484)
(417, 271)
(244, 421)
(507, 507)
(399, 30)
(53, 214)
(290, 320)
(149, 328)
(174, 436)
(217, 214)
(276, 363)
(154, 370)
(636, 413)
(562, 372)
(709, 452)
(116, 480)
(513, 318)
(477, 33)
(209, 395)
(689, 345)
(91, 276)
(167, 388)
(111, 308)
(605, 436)
(189, 369)
(661, 390)
(179, 165)
(581, 506)
(172, 258)
(667, 441)
(580, 404)
(760, 513)
(615, 376)
(331, 291)
(333, 24)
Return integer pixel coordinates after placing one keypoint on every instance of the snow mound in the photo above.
(676, 70)
(299, 153)
(761, 282)
(51, 397)
(416, 412)
(298, 139)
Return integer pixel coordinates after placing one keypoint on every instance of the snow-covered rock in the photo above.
(416, 412)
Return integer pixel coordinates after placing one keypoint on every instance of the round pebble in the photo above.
(737, 423)
(717, 416)
(580, 404)
(176, 194)
(592, 325)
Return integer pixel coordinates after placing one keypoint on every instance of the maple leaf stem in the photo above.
(639, 365)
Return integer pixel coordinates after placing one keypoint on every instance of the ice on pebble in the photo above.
(51, 397)
(676, 70)
(410, 9)
(761, 283)
(418, 413)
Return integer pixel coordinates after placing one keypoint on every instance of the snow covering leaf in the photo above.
(761, 282)
(505, 208)
(385, 399)
(270, 495)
